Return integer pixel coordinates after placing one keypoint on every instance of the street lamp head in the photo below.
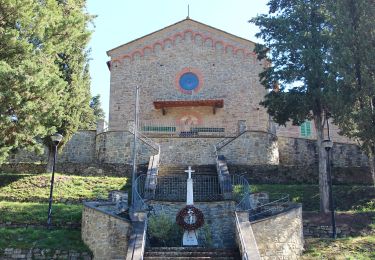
(327, 144)
(56, 138)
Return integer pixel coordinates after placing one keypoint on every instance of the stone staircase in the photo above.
(168, 170)
(172, 183)
(182, 253)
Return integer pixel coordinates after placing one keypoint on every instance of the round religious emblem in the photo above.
(190, 218)
(189, 81)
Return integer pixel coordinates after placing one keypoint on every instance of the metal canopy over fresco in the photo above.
(215, 103)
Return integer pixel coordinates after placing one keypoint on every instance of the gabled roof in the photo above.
(187, 20)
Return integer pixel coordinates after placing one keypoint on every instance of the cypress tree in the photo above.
(44, 81)
(296, 44)
(352, 69)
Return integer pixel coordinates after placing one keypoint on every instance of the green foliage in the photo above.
(96, 106)
(35, 188)
(353, 72)
(347, 198)
(163, 231)
(26, 238)
(358, 248)
(44, 81)
(296, 45)
(205, 236)
(35, 213)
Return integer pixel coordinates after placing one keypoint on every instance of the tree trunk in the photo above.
(49, 166)
(371, 163)
(323, 176)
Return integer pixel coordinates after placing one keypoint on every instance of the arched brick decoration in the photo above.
(204, 40)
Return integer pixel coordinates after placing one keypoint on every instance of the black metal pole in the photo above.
(331, 205)
(51, 187)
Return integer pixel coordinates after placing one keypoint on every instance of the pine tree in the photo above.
(44, 81)
(296, 37)
(353, 72)
(96, 106)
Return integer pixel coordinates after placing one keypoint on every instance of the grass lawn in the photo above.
(357, 248)
(24, 200)
(26, 238)
(347, 198)
(36, 213)
(35, 188)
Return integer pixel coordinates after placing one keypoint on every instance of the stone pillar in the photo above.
(101, 126)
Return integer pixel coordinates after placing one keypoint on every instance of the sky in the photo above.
(121, 21)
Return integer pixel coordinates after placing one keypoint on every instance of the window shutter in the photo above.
(306, 129)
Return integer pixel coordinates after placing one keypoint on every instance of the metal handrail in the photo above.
(146, 139)
(206, 188)
(221, 144)
(243, 250)
(270, 208)
(144, 237)
(139, 201)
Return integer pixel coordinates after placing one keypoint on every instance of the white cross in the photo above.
(189, 171)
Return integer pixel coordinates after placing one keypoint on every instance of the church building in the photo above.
(199, 95)
(192, 78)
(195, 81)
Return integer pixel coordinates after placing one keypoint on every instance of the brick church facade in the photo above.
(224, 91)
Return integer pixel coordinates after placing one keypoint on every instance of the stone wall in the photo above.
(218, 215)
(117, 147)
(324, 231)
(80, 148)
(41, 253)
(105, 234)
(251, 148)
(299, 151)
(300, 174)
(280, 236)
(264, 158)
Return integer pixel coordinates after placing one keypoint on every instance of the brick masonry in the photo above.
(228, 68)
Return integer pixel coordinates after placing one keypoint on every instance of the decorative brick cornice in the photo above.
(207, 40)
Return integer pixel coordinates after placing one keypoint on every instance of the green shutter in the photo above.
(306, 129)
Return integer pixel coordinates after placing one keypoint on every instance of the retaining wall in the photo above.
(280, 236)
(218, 215)
(105, 234)
(264, 157)
(41, 253)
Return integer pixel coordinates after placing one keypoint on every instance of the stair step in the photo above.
(190, 254)
(156, 253)
(194, 257)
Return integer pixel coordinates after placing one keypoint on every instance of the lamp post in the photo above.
(56, 139)
(328, 144)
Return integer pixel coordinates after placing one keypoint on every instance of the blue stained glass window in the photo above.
(189, 81)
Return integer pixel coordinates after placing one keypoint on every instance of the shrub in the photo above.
(163, 231)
